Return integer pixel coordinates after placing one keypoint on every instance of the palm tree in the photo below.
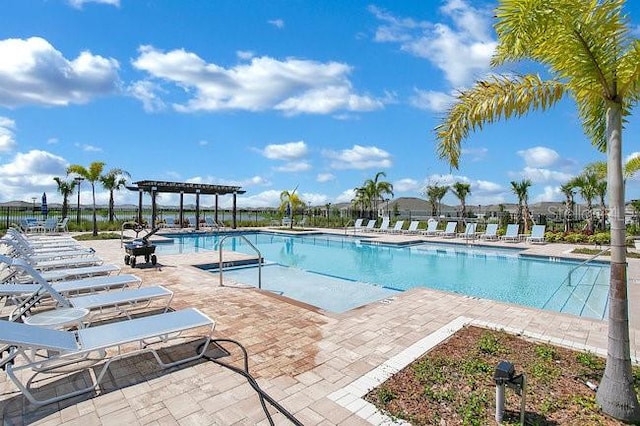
(567, 190)
(92, 175)
(363, 199)
(586, 183)
(65, 188)
(289, 203)
(590, 53)
(521, 189)
(112, 181)
(377, 189)
(435, 193)
(461, 190)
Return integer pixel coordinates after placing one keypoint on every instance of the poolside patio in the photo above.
(303, 357)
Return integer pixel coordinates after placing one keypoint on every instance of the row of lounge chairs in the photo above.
(490, 233)
(55, 277)
(50, 225)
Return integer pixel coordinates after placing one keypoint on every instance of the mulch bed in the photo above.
(453, 383)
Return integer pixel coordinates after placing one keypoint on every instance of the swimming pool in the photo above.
(477, 271)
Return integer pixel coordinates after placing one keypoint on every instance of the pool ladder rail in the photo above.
(583, 263)
(221, 263)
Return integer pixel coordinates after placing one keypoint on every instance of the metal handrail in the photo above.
(582, 264)
(221, 264)
(347, 226)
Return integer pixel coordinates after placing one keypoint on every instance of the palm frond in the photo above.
(490, 100)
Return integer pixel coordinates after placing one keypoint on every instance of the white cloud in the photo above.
(278, 23)
(461, 50)
(52, 141)
(539, 156)
(145, 92)
(79, 3)
(33, 72)
(346, 196)
(285, 151)
(550, 193)
(294, 166)
(476, 154)
(30, 174)
(293, 86)
(89, 148)
(203, 143)
(626, 159)
(482, 191)
(406, 185)
(539, 175)
(359, 157)
(270, 198)
(7, 139)
(245, 54)
(314, 198)
(325, 177)
(431, 100)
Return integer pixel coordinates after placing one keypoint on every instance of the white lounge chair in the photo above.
(384, 226)
(469, 232)
(30, 226)
(109, 303)
(80, 272)
(537, 234)
(511, 234)
(432, 228)
(86, 285)
(31, 350)
(490, 233)
(62, 226)
(449, 231)
(357, 225)
(397, 228)
(413, 227)
(370, 225)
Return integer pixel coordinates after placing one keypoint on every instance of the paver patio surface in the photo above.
(299, 354)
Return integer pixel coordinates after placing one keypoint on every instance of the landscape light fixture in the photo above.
(505, 374)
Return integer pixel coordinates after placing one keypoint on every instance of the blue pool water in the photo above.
(378, 271)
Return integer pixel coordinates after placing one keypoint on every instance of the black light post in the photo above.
(78, 180)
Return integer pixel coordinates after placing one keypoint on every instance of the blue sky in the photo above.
(268, 95)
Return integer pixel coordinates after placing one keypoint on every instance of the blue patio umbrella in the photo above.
(43, 207)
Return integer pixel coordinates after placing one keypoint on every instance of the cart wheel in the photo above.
(126, 259)
(146, 258)
(132, 261)
(154, 259)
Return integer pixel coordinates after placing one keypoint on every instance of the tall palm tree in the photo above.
(112, 181)
(435, 194)
(521, 189)
(590, 52)
(377, 189)
(461, 190)
(92, 175)
(289, 203)
(65, 188)
(567, 191)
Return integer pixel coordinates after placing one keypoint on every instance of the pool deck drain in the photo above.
(299, 356)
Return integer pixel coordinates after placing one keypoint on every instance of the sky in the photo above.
(316, 96)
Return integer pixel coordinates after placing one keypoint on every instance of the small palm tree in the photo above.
(65, 188)
(591, 54)
(461, 190)
(587, 185)
(568, 191)
(521, 189)
(435, 194)
(363, 199)
(92, 175)
(112, 181)
(289, 203)
(376, 189)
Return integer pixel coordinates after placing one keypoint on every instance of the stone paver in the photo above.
(299, 355)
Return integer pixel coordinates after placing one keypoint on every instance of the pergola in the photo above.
(155, 187)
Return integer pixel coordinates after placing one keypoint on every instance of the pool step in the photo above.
(214, 266)
(585, 295)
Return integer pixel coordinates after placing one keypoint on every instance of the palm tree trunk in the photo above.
(111, 203)
(95, 221)
(615, 394)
